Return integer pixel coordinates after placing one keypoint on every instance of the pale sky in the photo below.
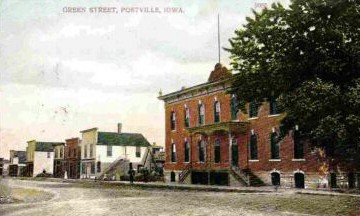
(61, 73)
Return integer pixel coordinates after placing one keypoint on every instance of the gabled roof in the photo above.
(122, 139)
(46, 146)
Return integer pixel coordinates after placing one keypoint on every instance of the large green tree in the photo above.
(308, 56)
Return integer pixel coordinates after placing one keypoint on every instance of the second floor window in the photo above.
(201, 114)
(274, 144)
(61, 152)
(233, 108)
(187, 117)
(217, 151)
(173, 152)
(273, 106)
(216, 112)
(187, 151)
(85, 151)
(138, 151)
(172, 120)
(253, 109)
(109, 150)
(48, 155)
(298, 146)
(253, 147)
(91, 150)
(92, 168)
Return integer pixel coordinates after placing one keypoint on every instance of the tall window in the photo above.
(253, 147)
(217, 151)
(85, 151)
(48, 155)
(109, 150)
(56, 153)
(138, 151)
(172, 120)
(187, 151)
(216, 112)
(298, 146)
(98, 166)
(275, 148)
(83, 168)
(91, 150)
(187, 117)
(253, 109)
(201, 148)
(233, 107)
(201, 114)
(273, 106)
(61, 152)
(92, 168)
(173, 152)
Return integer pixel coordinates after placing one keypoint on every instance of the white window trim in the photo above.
(275, 160)
(299, 159)
(274, 115)
(253, 118)
(254, 160)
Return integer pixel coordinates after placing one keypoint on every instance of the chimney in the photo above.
(119, 128)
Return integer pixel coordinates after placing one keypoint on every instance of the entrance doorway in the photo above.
(275, 178)
(234, 153)
(299, 180)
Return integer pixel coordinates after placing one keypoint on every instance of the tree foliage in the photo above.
(307, 56)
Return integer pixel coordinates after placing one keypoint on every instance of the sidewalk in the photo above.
(213, 188)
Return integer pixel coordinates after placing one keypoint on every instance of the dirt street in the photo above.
(90, 199)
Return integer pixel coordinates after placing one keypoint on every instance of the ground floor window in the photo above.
(299, 180)
(333, 183)
(201, 148)
(172, 176)
(217, 151)
(234, 153)
(83, 168)
(98, 166)
(351, 180)
(93, 168)
(275, 178)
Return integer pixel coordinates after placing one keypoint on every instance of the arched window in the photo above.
(274, 144)
(201, 114)
(299, 180)
(234, 152)
(172, 120)
(275, 178)
(172, 176)
(298, 146)
(253, 109)
(187, 117)
(273, 106)
(253, 147)
(234, 108)
(173, 152)
(216, 112)
(217, 151)
(187, 151)
(201, 148)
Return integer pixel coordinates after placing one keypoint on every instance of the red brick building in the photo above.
(72, 158)
(209, 141)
